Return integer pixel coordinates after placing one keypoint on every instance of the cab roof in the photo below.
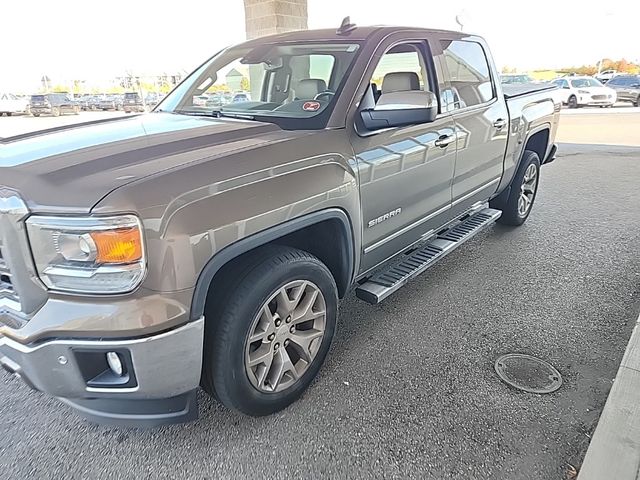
(357, 34)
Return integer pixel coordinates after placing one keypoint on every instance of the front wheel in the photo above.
(269, 331)
(637, 102)
(55, 111)
(516, 207)
(572, 102)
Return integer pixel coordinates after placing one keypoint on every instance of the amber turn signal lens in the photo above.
(118, 246)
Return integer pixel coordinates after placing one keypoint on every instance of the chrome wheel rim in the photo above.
(527, 190)
(285, 336)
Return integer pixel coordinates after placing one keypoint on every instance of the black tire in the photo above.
(572, 102)
(35, 114)
(509, 203)
(637, 102)
(231, 315)
(9, 114)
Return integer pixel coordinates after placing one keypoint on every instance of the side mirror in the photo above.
(398, 109)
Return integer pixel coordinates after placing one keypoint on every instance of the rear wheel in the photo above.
(35, 114)
(273, 328)
(516, 207)
(637, 102)
(573, 101)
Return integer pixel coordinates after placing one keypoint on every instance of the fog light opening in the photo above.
(115, 364)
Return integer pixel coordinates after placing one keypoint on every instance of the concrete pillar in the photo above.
(266, 17)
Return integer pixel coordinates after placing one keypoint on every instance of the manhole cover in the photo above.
(528, 373)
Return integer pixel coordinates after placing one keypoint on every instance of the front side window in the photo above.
(469, 71)
(401, 58)
(293, 85)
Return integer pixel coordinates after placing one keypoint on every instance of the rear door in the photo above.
(481, 121)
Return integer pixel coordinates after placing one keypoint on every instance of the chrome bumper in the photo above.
(165, 372)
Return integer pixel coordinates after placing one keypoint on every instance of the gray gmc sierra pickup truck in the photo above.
(143, 257)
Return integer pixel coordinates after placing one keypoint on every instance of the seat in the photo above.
(308, 88)
(400, 82)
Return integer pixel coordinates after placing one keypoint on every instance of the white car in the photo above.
(579, 91)
(11, 104)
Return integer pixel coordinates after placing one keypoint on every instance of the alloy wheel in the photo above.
(527, 190)
(285, 336)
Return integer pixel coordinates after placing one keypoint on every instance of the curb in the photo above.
(614, 451)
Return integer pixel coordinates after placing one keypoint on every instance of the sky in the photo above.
(69, 39)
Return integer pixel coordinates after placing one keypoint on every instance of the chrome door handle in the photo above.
(445, 140)
(500, 123)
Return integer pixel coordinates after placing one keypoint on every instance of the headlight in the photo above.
(88, 255)
(586, 92)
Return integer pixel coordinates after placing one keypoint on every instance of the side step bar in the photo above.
(391, 278)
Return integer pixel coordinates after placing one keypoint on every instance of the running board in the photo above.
(391, 278)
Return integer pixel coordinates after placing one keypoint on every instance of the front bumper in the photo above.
(587, 100)
(164, 373)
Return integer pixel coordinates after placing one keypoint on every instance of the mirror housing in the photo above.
(398, 109)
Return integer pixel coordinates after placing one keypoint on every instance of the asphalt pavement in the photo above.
(409, 389)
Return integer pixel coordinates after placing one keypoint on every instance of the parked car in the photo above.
(215, 100)
(152, 99)
(511, 78)
(185, 251)
(110, 102)
(584, 91)
(241, 97)
(627, 88)
(200, 100)
(133, 103)
(55, 104)
(85, 102)
(606, 75)
(10, 104)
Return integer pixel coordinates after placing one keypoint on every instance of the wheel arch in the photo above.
(538, 142)
(305, 232)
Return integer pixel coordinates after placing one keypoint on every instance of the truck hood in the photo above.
(70, 169)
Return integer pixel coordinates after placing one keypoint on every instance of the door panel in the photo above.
(481, 122)
(482, 141)
(405, 182)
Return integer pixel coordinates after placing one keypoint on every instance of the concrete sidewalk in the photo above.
(614, 451)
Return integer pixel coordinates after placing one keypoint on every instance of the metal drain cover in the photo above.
(528, 373)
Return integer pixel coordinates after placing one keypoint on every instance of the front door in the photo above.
(405, 173)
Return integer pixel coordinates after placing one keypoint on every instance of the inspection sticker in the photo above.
(311, 106)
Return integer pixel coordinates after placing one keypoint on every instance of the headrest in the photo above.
(308, 88)
(400, 82)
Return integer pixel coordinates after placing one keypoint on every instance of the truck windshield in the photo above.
(293, 85)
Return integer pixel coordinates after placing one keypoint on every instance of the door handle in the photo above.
(445, 140)
(500, 123)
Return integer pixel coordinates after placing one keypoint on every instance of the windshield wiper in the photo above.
(216, 114)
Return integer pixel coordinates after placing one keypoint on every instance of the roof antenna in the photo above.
(346, 27)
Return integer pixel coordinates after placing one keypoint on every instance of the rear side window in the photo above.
(469, 72)
(37, 98)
